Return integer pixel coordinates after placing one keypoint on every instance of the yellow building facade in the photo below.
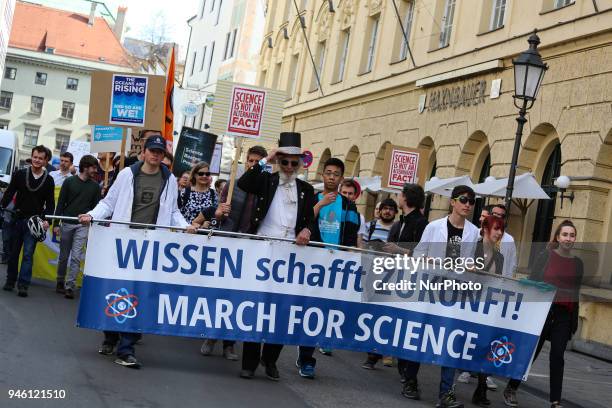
(450, 92)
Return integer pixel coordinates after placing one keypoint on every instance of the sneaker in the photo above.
(8, 286)
(307, 371)
(368, 364)
(247, 374)
(207, 347)
(480, 397)
(128, 361)
(271, 370)
(228, 353)
(449, 400)
(510, 397)
(69, 293)
(106, 349)
(491, 385)
(325, 352)
(388, 361)
(464, 377)
(22, 291)
(59, 288)
(411, 390)
(556, 404)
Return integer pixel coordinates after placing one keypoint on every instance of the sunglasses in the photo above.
(465, 199)
(294, 163)
(204, 173)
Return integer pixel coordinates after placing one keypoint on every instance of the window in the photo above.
(407, 23)
(446, 23)
(314, 84)
(562, 3)
(218, 12)
(497, 14)
(88, 137)
(277, 75)
(67, 110)
(202, 9)
(10, 73)
(233, 43)
(227, 42)
(210, 61)
(368, 62)
(72, 84)
(30, 136)
(193, 61)
(345, 37)
(6, 100)
(40, 78)
(4, 124)
(36, 106)
(293, 67)
(62, 139)
(212, 6)
(203, 59)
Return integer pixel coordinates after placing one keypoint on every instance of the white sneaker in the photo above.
(491, 384)
(464, 377)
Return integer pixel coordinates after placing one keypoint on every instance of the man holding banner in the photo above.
(146, 193)
(449, 237)
(283, 209)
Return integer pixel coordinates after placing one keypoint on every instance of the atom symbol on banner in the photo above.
(121, 305)
(501, 352)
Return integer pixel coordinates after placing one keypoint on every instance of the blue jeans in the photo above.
(126, 342)
(447, 375)
(21, 237)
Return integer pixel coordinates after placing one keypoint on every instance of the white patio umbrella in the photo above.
(444, 186)
(525, 187)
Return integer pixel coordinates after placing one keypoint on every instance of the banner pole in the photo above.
(106, 171)
(232, 181)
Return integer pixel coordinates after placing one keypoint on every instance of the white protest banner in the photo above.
(403, 165)
(169, 283)
(215, 163)
(243, 110)
(78, 149)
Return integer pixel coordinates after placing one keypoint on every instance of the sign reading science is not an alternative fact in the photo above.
(247, 111)
(175, 284)
(403, 165)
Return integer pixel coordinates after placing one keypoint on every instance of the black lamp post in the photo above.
(528, 75)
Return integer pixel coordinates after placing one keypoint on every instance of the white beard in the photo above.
(286, 178)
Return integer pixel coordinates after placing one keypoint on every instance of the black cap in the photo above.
(155, 142)
(462, 189)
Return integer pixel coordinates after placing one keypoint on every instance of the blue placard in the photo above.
(128, 100)
(107, 134)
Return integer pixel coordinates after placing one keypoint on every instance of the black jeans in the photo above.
(252, 353)
(305, 355)
(558, 330)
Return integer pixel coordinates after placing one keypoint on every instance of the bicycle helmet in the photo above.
(35, 225)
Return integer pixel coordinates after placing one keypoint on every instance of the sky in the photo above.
(175, 12)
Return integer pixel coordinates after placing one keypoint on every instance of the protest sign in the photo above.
(403, 165)
(194, 146)
(128, 100)
(169, 283)
(247, 111)
(108, 139)
(215, 163)
(78, 149)
(106, 100)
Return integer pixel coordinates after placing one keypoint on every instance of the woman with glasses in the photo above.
(559, 267)
(199, 197)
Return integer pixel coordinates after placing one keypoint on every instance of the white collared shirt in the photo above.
(282, 214)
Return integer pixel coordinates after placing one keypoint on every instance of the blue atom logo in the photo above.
(121, 305)
(501, 352)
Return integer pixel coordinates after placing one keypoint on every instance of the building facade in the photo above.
(47, 75)
(223, 45)
(448, 90)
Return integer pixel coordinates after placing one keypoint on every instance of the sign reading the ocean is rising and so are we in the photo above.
(128, 100)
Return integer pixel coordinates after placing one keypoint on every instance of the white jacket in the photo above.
(119, 199)
(508, 250)
(434, 239)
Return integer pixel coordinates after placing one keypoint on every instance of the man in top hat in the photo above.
(283, 208)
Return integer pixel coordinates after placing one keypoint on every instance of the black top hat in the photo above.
(290, 143)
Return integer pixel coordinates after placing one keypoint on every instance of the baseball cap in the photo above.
(155, 142)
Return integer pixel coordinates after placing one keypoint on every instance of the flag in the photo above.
(168, 108)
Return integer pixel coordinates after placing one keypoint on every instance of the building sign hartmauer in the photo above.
(470, 94)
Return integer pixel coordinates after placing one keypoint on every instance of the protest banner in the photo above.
(403, 165)
(215, 162)
(193, 146)
(78, 148)
(247, 111)
(168, 283)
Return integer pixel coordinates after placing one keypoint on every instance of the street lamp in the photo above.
(528, 75)
(562, 183)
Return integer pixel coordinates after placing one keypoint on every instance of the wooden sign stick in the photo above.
(122, 152)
